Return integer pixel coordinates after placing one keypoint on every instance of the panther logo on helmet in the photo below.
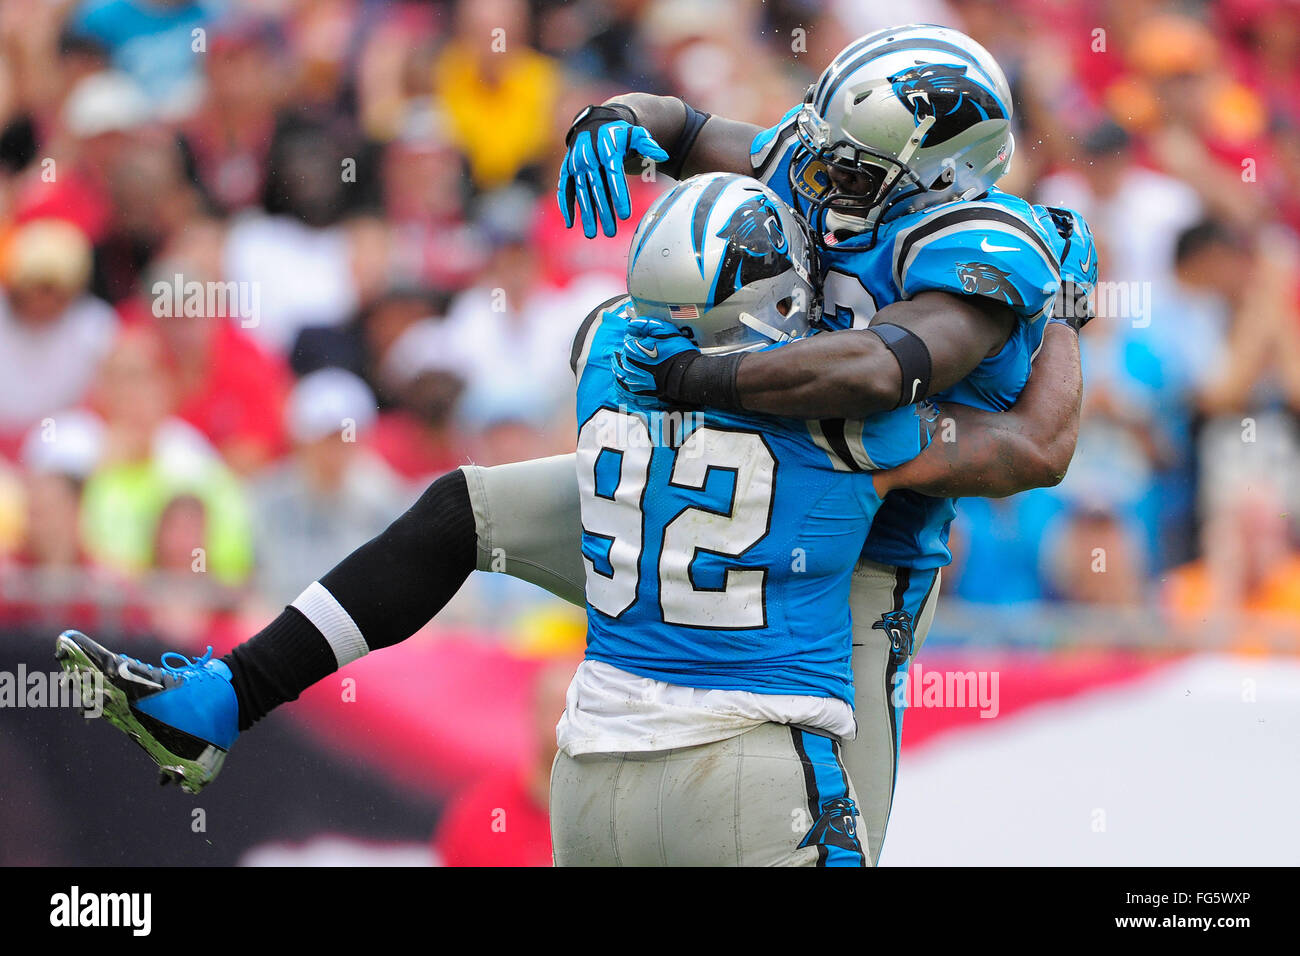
(757, 247)
(945, 92)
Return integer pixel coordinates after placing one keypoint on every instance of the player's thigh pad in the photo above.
(883, 599)
(773, 796)
(529, 523)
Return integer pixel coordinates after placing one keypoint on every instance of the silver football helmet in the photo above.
(725, 260)
(902, 119)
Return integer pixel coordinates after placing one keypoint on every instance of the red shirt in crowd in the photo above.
(242, 399)
(495, 822)
(238, 404)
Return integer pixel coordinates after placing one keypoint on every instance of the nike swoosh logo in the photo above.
(652, 353)
(1083, 266)
(984, 244)
(125, 673)
(916, 383)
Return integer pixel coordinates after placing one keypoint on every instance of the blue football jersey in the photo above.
(997, 245)
(719, 546)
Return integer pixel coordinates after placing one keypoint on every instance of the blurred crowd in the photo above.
(267, 267)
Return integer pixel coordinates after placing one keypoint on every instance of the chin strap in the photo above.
(763, 329)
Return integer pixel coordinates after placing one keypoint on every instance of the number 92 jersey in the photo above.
(719, 547)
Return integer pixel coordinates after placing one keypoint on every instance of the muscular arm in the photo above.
(721, 146)
(983, 454)
(851, 374)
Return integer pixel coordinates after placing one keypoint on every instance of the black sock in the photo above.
(277, 664)
(391, 586)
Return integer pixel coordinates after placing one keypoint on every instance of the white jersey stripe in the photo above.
(853, 437)
(819, 438)
(999, 223)
(581, 363)
(984, 226)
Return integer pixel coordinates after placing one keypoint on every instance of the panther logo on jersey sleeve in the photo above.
(944, 91)
(994, 246)
(980, 278)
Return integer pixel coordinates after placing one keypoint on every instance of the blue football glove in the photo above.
(592, 172)
(654, 356)
(1076, 301)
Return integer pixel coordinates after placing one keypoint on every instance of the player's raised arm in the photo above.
(607, 141)
(976, 453)
(720, 145)
(913, 349)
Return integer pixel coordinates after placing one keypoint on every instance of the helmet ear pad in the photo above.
(776, 309)
(947, 176)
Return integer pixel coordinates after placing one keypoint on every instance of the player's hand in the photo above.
(654, 356)
(592, 172)
(1075, 304)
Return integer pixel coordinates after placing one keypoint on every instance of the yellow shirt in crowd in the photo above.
(503, 125)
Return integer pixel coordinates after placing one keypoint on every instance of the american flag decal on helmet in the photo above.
(683, 312)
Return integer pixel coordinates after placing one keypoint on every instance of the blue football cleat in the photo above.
(185, 716)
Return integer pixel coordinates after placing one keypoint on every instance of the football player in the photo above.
(718, 548)
(939, 284)
(524, 518)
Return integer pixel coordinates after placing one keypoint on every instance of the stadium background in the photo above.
(378, 180)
